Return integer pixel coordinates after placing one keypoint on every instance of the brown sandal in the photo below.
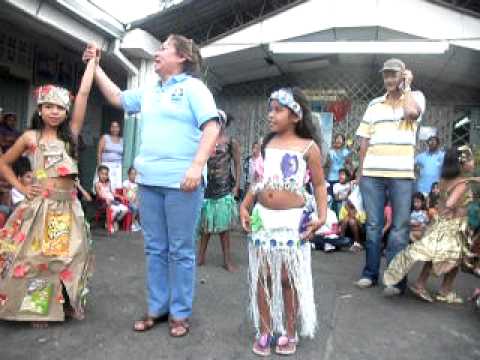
(179, 328)
(148, 322)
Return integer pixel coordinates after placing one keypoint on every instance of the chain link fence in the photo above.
(247, 102)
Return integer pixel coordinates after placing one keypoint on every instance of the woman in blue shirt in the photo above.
(179, 130)
(337, 159)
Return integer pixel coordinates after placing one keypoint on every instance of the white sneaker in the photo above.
(364, 283)
(356, 247)
(136, 227)
(327, 247)
(391, 291)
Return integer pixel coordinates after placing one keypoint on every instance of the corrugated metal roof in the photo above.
(204, 20)
(470, 7)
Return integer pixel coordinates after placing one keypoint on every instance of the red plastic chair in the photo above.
(102, 208)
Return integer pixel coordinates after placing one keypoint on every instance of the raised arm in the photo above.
(411, 108)
(81, 100)
(107, 87)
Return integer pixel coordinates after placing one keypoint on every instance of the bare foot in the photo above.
(230, 267)
(39, 324)
(74, 314)
(201, 261)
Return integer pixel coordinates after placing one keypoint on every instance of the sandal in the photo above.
(450, 298)
(39, 324)
(286, 345)
(421, 293)
(179, 328)
(148, 322)
(261, 346)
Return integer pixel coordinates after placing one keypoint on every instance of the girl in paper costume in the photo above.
(44, 246)
(281, 223)
(446, 241)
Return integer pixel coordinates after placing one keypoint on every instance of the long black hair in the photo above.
(451, 167)
(305, 127)
(421, 197)
(64, 132)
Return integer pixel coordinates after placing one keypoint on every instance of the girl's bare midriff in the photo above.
(280, 199)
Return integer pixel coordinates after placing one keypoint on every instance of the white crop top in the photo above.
(284, 170)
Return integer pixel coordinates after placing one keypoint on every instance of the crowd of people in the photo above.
(185, 184)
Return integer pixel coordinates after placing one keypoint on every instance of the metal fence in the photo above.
(248, 101)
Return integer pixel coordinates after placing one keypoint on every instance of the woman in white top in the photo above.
(110, 154)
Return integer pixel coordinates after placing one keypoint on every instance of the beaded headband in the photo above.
(285, 97)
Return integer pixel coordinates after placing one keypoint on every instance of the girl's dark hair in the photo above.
(21, 166)
(64, 132)
(102, 167)
(187, 48)
(130, 169)
(421, 197)
(339, 135)
(432, 197)
(305, 127)
(451, 167)
(119, 125)
(346, 172)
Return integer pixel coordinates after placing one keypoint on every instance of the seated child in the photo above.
(328, 238)
(23, 171)
(432, 200)
(130, 190)
(418, 217)
(104, 193)
(352, 223)
(341, 190)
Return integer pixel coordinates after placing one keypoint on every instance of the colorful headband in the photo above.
(285, 97)
(465, 153)
(54, 95)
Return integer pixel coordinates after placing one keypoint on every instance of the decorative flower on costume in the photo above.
(19, 238)
(20, 270)
(66, 275)
(289, 165)
(63, 171)
(256, 221)
(41, 174)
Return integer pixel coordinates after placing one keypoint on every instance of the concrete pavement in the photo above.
(354, 324)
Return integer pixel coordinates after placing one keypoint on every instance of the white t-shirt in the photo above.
(132, 189)
(341, 191)
(17, 196)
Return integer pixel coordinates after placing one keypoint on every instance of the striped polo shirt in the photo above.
(391, 149)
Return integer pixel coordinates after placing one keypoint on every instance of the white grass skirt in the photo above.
(275, 242)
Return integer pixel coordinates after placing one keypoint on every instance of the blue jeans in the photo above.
(374, 191)
(169, 217)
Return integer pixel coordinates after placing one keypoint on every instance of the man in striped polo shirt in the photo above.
(387, 150)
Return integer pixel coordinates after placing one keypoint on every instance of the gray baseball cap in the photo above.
(393, 65)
